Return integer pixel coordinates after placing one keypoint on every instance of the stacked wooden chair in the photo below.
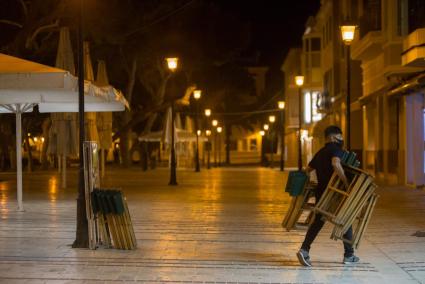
(343, 207)
(302, 191)
(109, 222)
(352, 206)
(113, 219)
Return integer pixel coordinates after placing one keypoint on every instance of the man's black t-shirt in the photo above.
(322, 163)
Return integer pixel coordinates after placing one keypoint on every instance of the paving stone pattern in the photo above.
(217, 226)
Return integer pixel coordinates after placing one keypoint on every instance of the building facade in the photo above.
(390, 45)
(322, 63)
(387, 84)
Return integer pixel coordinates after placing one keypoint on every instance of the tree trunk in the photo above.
(126, 135)
(27, 145)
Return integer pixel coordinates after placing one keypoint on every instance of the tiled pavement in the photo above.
(217, 226)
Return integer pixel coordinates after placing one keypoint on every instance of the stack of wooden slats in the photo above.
(345, 207)
(109, 222)
(300, 209)
(115, 228)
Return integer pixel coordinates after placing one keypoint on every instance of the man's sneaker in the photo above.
(351, 259)
(304, 257)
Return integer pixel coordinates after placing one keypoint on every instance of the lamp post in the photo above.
(281, 105)
(215, 124)
(219, 130)
(197, 96)
(272, 120)
(262, 133)
(81, 238)
(172, 63)
(265, 128)
(208, 133)
(347, 33)
(207, 113)
(299, 81)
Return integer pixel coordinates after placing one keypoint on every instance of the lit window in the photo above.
(307, 107)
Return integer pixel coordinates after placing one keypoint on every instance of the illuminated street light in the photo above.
(299, 80)
(347, 34)
(262, 132)
(215, 122)
(172, 63)
(197, 94)
(266, 127)
(207, 112)
(208, 146)
(219, 130)
(281, 105)
(272, 119)
(199, 132)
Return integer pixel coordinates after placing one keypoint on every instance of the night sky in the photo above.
(276, 25)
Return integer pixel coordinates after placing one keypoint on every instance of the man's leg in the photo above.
(348, 249)
(312, 232)
(349, 256)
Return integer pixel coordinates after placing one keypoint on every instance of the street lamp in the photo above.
(272, 119)
(266, 127)
(281, 105)
(81, 238)
(197, 96)
(207, 112)
(208, 133)
(215, 124)
(263, 152)
(347, 35)
(219, 130)
(299, 81)
(172, 63)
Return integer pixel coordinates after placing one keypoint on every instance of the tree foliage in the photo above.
(134, 37)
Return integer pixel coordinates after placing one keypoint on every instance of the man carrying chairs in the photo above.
(325, 162)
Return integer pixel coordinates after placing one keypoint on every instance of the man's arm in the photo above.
(308, 169)
(336, 163)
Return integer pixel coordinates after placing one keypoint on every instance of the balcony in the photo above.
(371, 38)
(414, 49)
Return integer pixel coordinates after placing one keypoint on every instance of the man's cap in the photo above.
(332, 130)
